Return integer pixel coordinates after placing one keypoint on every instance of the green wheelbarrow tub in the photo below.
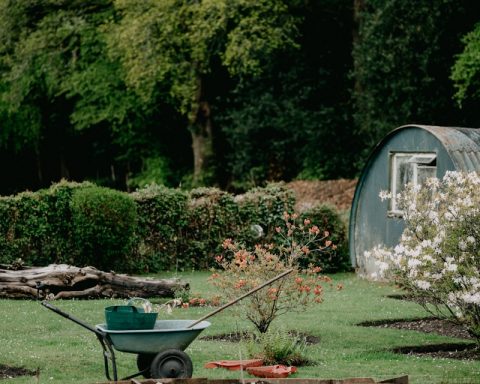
(166, 334)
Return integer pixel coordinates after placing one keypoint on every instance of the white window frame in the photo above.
(419, 160)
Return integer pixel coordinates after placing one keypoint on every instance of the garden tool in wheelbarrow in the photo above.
(159, 344)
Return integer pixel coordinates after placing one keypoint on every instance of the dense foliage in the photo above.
(153, 229)
(231, 94)
(332, 259)
(466, 75)
(402, 64)
(103, 228)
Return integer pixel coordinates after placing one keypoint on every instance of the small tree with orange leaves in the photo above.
(243, 270)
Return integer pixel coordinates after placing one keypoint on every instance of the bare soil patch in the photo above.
(7, 372)
(427, 325)
(236, 337)
(309, 193)
(460, 351)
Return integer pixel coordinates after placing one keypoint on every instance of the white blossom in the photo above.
(384, 195)
(422, 284)
(437, 256)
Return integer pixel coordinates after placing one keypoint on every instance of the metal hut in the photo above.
(410, 153)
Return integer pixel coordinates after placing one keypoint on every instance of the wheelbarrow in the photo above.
(160, 351)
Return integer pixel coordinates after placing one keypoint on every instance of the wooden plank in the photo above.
(397, 380)
(356, 380)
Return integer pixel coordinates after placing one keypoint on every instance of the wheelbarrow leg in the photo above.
(103, 338)
(108, 354)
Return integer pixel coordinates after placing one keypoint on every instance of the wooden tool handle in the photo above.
(283, 274)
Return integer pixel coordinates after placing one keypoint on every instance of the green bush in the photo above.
(104, 224)
(162, 220)
(36, 227)
(263, 207)
(279, 346)
(331, 260)
(212, 217)
(6, 230)
(24, 225)
(59, 246)
(180, 230)
(153, 229)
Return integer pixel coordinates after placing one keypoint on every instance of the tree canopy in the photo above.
(228, 93)
(175, 47)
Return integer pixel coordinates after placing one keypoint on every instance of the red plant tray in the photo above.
(234, 365)
(272, 371)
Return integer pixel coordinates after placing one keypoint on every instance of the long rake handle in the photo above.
(283, 274)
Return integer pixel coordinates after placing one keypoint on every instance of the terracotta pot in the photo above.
(234, 365)
(272, 371)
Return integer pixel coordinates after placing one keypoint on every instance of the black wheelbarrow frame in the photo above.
(158, 352)
(165, 362)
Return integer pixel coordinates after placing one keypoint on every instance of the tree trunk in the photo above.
(358, 7)
(202, 134)
(64, 172)
(38, 163)
(61, 281)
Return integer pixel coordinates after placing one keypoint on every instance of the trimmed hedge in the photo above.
(153, 229)
(331, 260)
(162, 219)
(104, 223)
(36, 226)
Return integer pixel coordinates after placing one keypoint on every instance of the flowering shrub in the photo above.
(245, 269)
(437, 259)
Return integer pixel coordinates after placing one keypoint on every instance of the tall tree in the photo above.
(294, 119)
(42, 46)
(177, 47)
(403, 54)
(466, 77)
(61, 92)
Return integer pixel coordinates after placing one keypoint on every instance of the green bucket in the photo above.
(128, 317)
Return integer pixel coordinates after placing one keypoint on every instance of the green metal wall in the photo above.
(369, 223)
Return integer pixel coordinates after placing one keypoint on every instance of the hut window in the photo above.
(409, 168)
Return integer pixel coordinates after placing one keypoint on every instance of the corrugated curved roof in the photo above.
(462, 144)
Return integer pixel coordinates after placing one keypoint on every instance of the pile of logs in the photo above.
(61, 281)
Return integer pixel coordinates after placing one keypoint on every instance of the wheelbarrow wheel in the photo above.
(144, 362)
(172, 363)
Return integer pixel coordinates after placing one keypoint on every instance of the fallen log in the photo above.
(62, 281)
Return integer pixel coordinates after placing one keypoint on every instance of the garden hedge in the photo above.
(333, 259)
(153, 229)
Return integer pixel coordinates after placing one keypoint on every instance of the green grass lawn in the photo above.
(33, 337)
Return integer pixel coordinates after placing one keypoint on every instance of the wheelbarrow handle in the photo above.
(241, 297)
(72, 318)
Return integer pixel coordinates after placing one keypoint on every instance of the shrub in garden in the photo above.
(212, 216)
(244, 269)
(155, 228)
(334, 259)
(36, 226)
(162, 221)
(104, 223)
(59, 246)
(263, 207)
(278, 346)
(437, 259)
(24, 227)
(8, 254)
(184, 230)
